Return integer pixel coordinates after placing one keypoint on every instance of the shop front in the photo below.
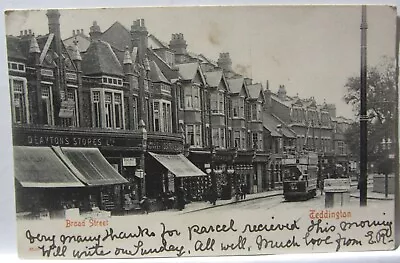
(97, 156)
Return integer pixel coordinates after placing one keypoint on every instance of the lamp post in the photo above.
(143, 133)
(363, 109)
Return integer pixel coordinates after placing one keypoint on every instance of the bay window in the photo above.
(192, 97)
(162, 119)
(218, 137)
(19, 100)
(217, 102)
(255, 111)
(107, 109)
(193, 135)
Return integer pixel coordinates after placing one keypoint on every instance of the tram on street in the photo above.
(300, 174)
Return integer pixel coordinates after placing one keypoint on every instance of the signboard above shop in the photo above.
(131, 161)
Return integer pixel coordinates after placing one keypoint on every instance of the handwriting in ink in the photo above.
(382, 236)
(270, 227)
(138, 249)
(319, 228)
(263, 243)
(317, 241)
(346, 242)
(196, 229)
(239, 245)
(64, 239)
(141, 232)
(39, 238)
(344, 225)
(95, 250)
(207, 246)
(53, 250)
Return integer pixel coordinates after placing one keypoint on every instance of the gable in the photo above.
(117, 35)
(197, 78)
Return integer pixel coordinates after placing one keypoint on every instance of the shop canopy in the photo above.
(90, 166)
(178, 165)
(40, 167)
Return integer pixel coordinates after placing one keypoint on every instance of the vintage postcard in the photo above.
(203, 131)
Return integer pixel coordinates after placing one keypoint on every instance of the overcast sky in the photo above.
(311, 50)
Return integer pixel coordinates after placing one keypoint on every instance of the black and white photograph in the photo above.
(203, 131)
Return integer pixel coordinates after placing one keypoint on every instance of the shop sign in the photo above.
(337, 185)
(67, 109)
(129, 161)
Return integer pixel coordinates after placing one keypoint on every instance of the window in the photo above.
(162, 118)
(222, 138)
(229, 105)
(47, 105)
(217, 102)
(188, 98)
(198, 135)
(135, 118)
(253, 112)
(190, 134)
(229, 139)
(15, 66)
(111, 81)
(19, 100)
(221, 108)
(260, 145)
(181, 98)
(248, 111)
(255, 140)
(215, 137)
(243, 137)
(156, 112)
(96, 109)
(118, 111)
(70, 120)
(196, 97)
(236, 108)
(236, 135)
(241, 103)
(108, 109)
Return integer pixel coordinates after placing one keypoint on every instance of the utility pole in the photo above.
(363, 109)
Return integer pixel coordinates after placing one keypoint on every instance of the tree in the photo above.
(381, 103)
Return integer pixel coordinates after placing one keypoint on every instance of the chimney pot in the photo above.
(25, 32)
(73, 32)
(21, 32)
(30, 31)
(82, 31)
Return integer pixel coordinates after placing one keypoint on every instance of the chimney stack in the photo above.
(53, 17)
(95, 32)
(139, 36)
(225, 62)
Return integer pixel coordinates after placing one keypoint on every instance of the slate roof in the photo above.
(235, 84)
(155, 73)
(213, 78)
(271, 122)
(155, 43)
(254, 90)
(14, 49)
(188, 71)
(101, 59)
(117, 36)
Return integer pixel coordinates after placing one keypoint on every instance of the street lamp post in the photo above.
(363, 109)
(143, 133)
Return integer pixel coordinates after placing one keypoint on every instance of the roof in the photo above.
(287, 103)
(155, 43)
(188, 70)
(213, 78)
(83, 41)
(235, 84)
(155, 73)
(13, 48)
(271, 122)
(117, 36)
(254, 90)
(101, 59)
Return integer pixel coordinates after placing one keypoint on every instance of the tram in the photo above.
(300, 176)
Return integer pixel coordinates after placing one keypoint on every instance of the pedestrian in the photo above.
(243, 191)
(213, 196)
(180, 198)
(144, 204)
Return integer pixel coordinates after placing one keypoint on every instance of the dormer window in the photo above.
(16, 66)
(112, 81)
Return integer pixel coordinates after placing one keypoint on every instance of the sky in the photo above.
(312, 50)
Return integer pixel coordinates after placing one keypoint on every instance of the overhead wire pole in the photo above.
(363, 109)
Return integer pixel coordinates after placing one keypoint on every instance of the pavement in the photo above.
(373, 195)
(199, 206)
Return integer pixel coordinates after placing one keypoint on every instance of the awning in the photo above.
(40, 167)
(178, 165)
(90, 166)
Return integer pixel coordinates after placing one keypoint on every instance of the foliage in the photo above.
(381, 103)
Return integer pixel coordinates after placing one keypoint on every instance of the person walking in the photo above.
(243, 191)
(180, 198)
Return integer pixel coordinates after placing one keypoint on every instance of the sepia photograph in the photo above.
(191, 131)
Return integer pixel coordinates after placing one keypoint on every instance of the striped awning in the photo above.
(178, 165)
